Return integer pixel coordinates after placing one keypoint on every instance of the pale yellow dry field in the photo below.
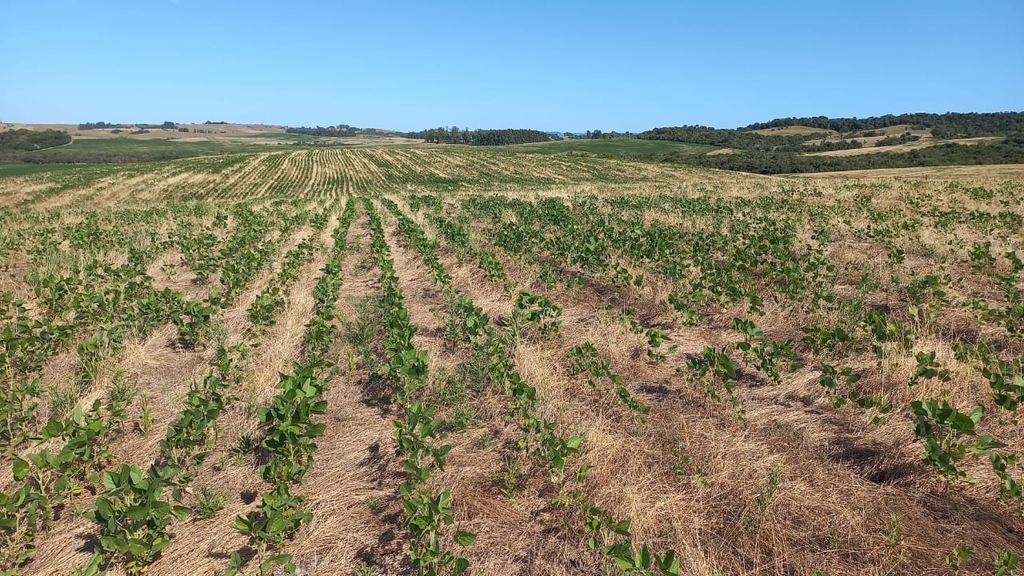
(154, 133)
(975, 174)
(232, 133)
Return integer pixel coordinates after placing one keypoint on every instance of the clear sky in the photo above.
(549, 64)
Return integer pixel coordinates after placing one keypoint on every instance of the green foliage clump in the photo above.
(29, 140)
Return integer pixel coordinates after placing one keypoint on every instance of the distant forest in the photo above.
(98, 126)
(339, 131)
(729, 138)
(504, 137)
(948, 125)
(743, 140)
(12, 141)
(1009, 151)
(168, 125)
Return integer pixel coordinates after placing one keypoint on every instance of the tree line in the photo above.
(167, 125)
(99, 126)
(599, 135)
(339, 131)
(455, 135)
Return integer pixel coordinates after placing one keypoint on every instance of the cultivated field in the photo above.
(451, 360)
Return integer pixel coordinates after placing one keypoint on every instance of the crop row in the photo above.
(289, 424)
(418, 438)
(540, 437)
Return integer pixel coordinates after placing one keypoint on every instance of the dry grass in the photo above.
(968, 175)
(691, 476)
(796, 429)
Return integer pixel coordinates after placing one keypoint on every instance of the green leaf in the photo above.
(976, 414)
(62, 484)
(53, 429)
(668, 564)
(643, 557)
(625, 563)
(104, 509)
(242, 525)
(114, 543)
(21, 468)
(464, 538)
(574, 442)
(235, 565)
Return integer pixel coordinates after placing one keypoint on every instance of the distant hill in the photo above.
(948, 125)
(816, 144)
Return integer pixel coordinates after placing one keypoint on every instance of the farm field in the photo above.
(447, 360)
(616, 147)
(87, 149)
(125, 145)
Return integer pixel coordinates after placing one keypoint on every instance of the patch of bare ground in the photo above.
(872, 149)
(13, 272)
(168, 270)
(721, 151)
(794, 131)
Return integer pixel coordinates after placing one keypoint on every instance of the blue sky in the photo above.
(551, 65)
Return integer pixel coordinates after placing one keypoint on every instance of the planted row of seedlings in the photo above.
(91, 302)
(290, 427)
(540, 437)
(419, 437)
(49, 477)
(270, 302)
(205, 402)
(79, 297)
(133, 514)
